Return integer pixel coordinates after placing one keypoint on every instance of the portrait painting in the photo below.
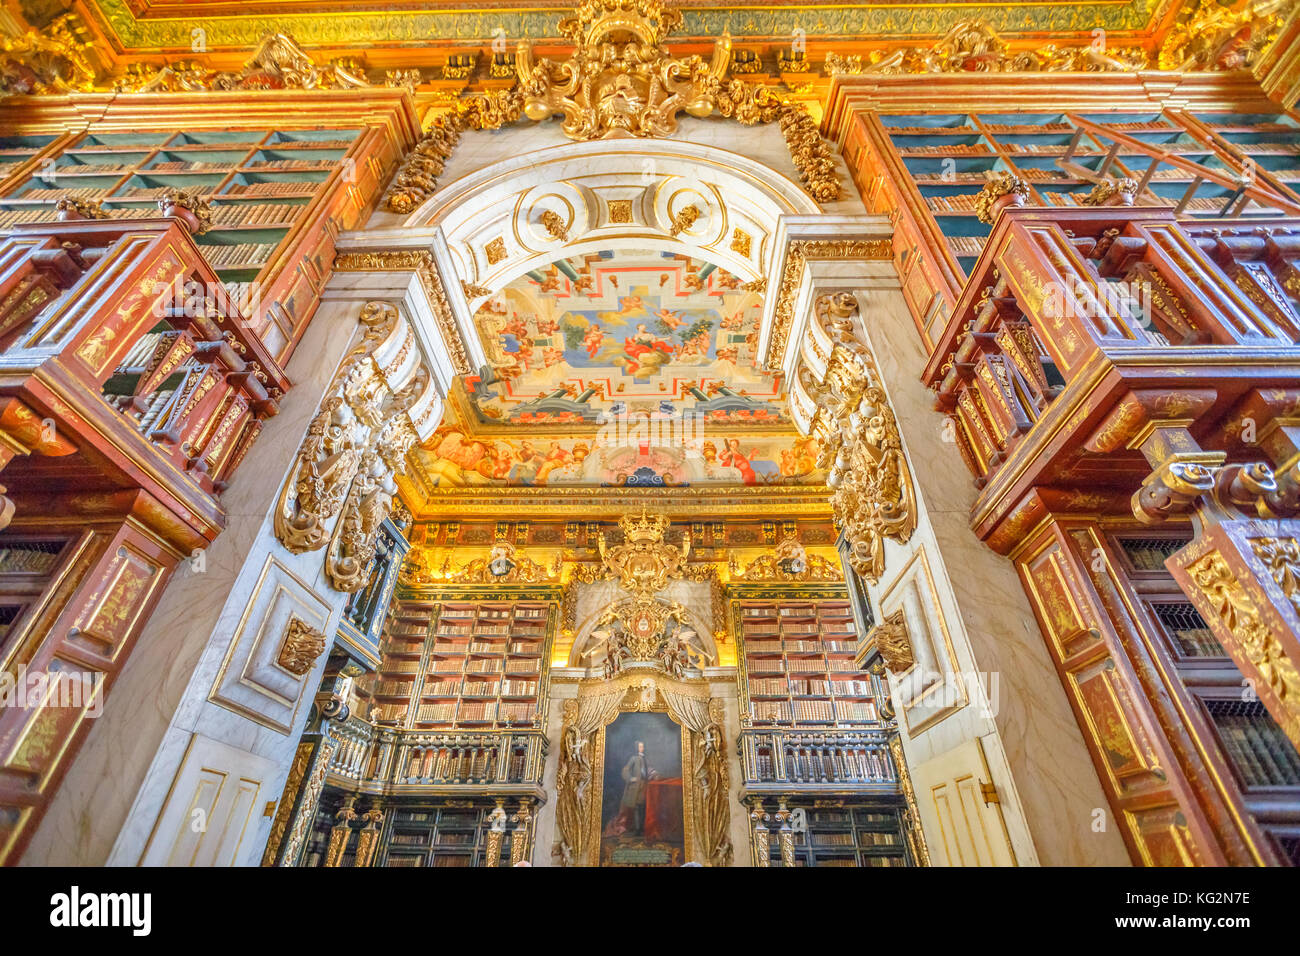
(642, 816)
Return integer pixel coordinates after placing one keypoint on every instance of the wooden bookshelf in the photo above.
(465, 665)
(1261, 762)
(797, 665)
(850, 835)
(439, 836)
(272, 192)
(924, 171)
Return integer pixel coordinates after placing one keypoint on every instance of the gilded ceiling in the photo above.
(619, 370)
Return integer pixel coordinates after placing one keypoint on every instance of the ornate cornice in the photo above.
(421, 262)
(748, 19)
(797, 255)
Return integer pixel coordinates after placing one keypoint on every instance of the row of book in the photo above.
(241, 254)
(289, 164)
(957, 149)
(76, 192)
(963, 202)
(966, 245)
(179, 166)
(1030, 129)
(819, 710)
(94, 169)
(813, 710)
(472, 711)
(290, 188)
(392, 688)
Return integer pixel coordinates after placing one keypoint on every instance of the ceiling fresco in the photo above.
(642, 452)
(613, 335)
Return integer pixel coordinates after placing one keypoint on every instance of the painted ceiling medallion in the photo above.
(623, 333)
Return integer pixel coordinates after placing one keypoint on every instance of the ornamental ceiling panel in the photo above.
(622, 369)
(650, 454)
(624, 333)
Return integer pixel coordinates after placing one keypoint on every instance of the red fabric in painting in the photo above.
(663, 811)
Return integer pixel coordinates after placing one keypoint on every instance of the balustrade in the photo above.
(376, 757)
(830, 759)
(119, 341)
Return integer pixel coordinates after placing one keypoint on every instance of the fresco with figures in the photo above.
(619, 333)
(644, 451)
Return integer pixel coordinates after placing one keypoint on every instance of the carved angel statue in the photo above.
(497, 819)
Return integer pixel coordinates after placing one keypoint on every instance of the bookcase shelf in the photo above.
(797, 666)
(480, 665)
(921, 169)
(849, 835)
(262, 183)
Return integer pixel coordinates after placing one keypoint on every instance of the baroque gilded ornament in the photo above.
(872, 496)
(893, 642)
(354, 448)
(620, 81)
(336, 439)
(973, 45)
(301, 646)
(790, 561)
(278, 63)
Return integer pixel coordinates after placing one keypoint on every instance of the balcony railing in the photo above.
(118, 336)
(1078, 326)
(822, 759)
(379, 758)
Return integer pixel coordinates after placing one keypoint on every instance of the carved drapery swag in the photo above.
(597, 704)
(379, 404)
(862, 452)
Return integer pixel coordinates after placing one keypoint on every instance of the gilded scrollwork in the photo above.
(301, 646)
(619, 81)
(372, 415)
(370, 499)
(893, 641)
(973, 45)
(790, 561)
(872, 495)
(53, 60)
(335, 441)
(797, 256)
(1240, 615)
(278, 63)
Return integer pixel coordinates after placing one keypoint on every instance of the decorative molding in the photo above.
(973, 45)
(1003, 189)
(336, 439)
(893, 642)
(278, 63)
(301, 645)
(421, 262)
(797, 254)
(872, 495)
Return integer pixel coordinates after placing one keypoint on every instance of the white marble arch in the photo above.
(607, 195)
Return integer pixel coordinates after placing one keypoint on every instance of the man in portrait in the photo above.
(637, 772)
